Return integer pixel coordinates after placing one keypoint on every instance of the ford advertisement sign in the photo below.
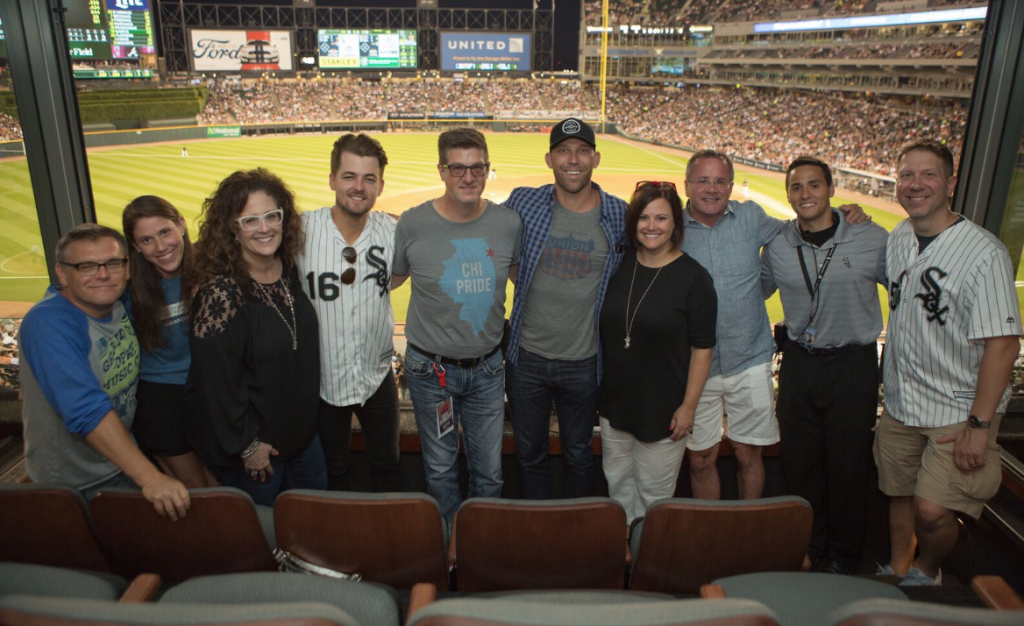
(241, 50)
(486, 52)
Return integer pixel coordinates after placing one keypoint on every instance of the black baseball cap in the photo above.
(572, 128)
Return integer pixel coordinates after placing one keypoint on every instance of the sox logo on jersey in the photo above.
(963, 293)
(356, 320)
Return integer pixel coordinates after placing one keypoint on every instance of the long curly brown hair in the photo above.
(217, 253)
(147, 292)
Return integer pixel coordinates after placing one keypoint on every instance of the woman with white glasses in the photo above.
(254, 382)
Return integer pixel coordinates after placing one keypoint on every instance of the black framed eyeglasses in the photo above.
(458, 170)
(90, 268)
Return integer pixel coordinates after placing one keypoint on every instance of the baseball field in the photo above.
(120, 174)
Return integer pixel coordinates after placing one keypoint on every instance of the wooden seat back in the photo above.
(688, 543)
(48, 525)
(544, 544)
(395, 539)
(220, 535)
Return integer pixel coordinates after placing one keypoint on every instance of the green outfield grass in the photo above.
(119, 175)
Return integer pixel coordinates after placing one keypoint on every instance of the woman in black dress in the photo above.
(254, 382)
(657, 332)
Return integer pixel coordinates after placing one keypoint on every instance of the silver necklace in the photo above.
(293, 327)
(629, 298)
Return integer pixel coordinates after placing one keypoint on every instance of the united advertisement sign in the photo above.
(241, 50)
(489, 52)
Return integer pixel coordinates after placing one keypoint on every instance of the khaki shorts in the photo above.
(911, 462)
(748, 398)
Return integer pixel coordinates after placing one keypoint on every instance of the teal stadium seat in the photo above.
(38, 611)
(370, 604)
(570, 611)
(58, 582)
(805, 598)
(906, 613)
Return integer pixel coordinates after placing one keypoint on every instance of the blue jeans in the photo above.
(478, 401)
(533, 382)
(305, 470)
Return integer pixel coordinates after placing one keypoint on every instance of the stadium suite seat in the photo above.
(568, 608)
(501, 545)
(48, 524)
(369, 604)
(223, 533)
(20, 610)
(683, 543)
(801, 598)
(399, 539)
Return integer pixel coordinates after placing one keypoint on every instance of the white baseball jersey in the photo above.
(943, 304)
(356, 321)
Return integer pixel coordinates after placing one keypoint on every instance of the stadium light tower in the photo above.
(605, 34)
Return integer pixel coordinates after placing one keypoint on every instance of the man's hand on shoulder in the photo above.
(854, 214)
(169, 496)
(968, 448)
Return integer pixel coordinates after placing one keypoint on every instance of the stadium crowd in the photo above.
(684, 13)
(764, 125)
(878, 51)
(10, 129)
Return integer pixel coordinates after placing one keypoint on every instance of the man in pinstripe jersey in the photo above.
(954, 328)
(345, 265)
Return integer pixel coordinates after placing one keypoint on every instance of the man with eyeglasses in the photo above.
(460, 250)
(827, 273)
(954, 333)
(572, 235)
(79, 373)
(345, 265)
(726, 237)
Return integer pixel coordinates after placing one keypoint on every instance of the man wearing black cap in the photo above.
(572, 233)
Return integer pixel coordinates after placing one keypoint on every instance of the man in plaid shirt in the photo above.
(573, 233)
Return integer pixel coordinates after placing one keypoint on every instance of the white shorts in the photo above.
(748, 398)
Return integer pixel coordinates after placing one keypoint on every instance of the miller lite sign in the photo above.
(241, 50)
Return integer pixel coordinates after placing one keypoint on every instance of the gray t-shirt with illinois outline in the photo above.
(459, 273)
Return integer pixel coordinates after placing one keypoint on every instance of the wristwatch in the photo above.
(976, 422)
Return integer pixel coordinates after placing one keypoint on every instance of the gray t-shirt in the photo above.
(459, 274)
(558, 313)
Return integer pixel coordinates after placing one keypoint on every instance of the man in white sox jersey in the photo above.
(345, 267)
(952, 340)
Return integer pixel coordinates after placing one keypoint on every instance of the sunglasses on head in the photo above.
(663, 185)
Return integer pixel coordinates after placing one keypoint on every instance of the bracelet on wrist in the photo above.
(251, 450)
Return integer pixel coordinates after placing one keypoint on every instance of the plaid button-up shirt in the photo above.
(535, 206)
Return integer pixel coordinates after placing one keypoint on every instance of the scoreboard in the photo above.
(367, 49)
(109, 29)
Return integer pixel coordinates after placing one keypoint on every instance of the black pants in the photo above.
(827, 407)
(379, 420)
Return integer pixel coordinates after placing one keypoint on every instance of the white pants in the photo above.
(638, 473)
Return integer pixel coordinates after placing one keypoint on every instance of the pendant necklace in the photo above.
(293, 327)
(629, 298)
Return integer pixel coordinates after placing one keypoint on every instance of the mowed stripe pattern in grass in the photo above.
(119, 175)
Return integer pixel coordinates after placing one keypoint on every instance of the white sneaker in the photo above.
(886, 570)
(917, 578)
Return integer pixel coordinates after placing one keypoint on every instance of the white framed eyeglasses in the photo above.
(250, 223)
